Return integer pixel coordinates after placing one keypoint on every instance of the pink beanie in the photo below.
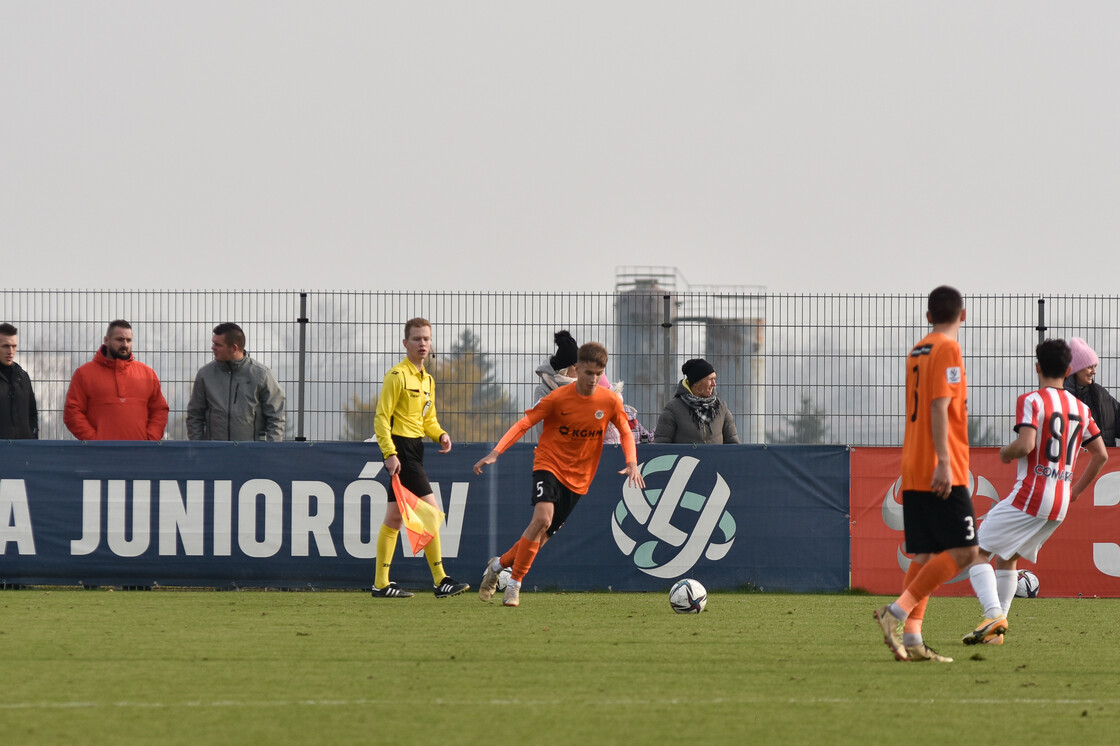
(1083, 355)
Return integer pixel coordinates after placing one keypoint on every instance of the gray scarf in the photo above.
(702, 408)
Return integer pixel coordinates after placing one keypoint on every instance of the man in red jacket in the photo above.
(114, 396)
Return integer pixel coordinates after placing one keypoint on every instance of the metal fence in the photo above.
(793, 368)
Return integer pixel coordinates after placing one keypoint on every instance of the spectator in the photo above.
(560, 369)
(695, 414)
(19, 417)
(234, 397)
(114, 396)
(1081, 384)
(641, 435)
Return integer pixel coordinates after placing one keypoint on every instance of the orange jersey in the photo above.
(934, 370)
(572, 440)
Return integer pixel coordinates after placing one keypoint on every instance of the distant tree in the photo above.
(807, 425)
(358, 418)
(980, 434)
(471, 405)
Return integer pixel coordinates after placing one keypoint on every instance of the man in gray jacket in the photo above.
(234, 397)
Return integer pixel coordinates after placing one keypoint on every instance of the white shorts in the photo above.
(1007, 531)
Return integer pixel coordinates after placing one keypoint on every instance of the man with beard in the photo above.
(114, 396)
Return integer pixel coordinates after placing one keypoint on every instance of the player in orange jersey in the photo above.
(938, 519)
(567, 456)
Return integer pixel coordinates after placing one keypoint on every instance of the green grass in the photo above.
(193, 667)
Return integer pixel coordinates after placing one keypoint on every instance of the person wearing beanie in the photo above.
(560, 369)
(1081, 383)
(695, 414)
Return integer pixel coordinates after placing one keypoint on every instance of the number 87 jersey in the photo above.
(1045, 475)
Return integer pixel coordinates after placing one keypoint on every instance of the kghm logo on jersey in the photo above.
(667, 528)
(577, 432)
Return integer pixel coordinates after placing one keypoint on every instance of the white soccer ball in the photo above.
(687, 596)
(1027, 587)
(503, 578)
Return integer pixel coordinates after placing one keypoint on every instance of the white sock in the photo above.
(983, 578)
(496, 565)
(513, 583)
(1006, 582)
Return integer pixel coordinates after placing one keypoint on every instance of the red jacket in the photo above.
(112, 399)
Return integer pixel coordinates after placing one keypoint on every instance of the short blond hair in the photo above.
(418, 321)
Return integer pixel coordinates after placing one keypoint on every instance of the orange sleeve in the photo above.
(625, 435)
(519, 428)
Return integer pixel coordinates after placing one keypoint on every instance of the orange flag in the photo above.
(421, 520)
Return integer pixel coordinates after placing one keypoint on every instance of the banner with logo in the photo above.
(300, 515)
(1082, 558)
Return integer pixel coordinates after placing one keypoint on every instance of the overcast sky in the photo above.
(802, 146)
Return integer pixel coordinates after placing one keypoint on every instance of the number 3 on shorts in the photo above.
(970, 530)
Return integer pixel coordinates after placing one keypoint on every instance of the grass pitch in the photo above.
(190, 667)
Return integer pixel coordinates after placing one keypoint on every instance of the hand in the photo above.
(485, 461)
(392, 465)
(942, 482)
(1004, 457)
(634, 476)
(444, 443)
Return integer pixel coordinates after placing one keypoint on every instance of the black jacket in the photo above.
(1101, 404)
(19, 417)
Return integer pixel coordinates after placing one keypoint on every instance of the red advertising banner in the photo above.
(1082, 558)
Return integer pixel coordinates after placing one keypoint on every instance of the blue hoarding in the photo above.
(300, 515)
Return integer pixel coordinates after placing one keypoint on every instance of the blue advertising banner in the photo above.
(306, 515)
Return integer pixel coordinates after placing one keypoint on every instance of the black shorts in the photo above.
(548, 489)
(933, 525)
(410, 452)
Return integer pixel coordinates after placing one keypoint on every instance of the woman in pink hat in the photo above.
(1082, 385)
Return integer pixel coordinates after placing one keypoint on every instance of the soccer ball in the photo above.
(503, 578)
(688, 597)
(1027, 587)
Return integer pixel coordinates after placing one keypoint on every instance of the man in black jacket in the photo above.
(19, 417)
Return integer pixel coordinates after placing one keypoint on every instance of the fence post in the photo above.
(1041, 320)
(302, 363)
(667, 342)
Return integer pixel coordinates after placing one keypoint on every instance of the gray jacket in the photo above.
(235, 400)
(676, 424)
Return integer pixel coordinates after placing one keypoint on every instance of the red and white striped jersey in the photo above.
(1045, 475)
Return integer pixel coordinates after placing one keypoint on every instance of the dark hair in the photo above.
(418, 321)
(8, 330)
(232, 333)
(945, 304)
(117, 324)
(1054, 357)
(592, 352)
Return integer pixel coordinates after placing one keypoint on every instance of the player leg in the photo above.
(552, 504)
(386, 547)
(983, 578)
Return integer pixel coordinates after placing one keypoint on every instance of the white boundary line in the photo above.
(11, 706)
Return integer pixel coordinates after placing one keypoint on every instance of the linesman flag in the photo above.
(421, 520)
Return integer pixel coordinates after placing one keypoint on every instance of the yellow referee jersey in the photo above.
(406, 407)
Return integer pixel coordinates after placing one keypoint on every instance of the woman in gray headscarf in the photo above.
(695, 414)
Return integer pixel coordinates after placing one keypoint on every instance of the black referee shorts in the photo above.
(410, 452)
